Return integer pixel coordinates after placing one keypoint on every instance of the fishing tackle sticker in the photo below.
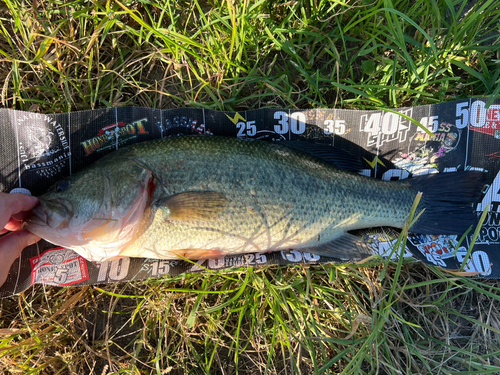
(60, 267)
(42, 143)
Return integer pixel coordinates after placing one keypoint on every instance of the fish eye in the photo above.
(61, 185)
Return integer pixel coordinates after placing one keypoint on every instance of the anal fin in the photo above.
(346, 247)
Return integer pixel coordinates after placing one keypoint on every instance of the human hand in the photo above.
(13, 209)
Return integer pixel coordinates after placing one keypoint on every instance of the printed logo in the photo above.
(490, 231)
(491, 197)
(182, 122)
(59, 267)
(45, 149)
(435, 248)
(114, 135)
(438, 248)
(374, 162)
(382, 245)
(428, 149)
(237, 117)
(492, 124)
(446, 134)
(383, 127)
(248, 128)
(243, 260)
(478, 118)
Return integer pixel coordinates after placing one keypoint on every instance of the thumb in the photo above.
(13, 243)
(11, 246)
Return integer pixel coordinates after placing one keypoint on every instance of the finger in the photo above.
(11, 247)
(13, 243)
(14, 225)
(11, 204)
(16, 221)
(22, 215)
(18, 202)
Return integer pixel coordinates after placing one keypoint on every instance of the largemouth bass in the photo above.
(201, 197)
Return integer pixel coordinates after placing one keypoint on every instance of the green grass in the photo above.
(380, 317)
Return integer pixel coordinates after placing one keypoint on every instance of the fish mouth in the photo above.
(53, 213)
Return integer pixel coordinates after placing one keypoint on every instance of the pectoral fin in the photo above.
(194, 205)
(346, 247)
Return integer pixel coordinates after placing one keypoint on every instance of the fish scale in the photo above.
(206, 196)
(279, 198)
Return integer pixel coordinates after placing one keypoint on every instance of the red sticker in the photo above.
(492, 124)
(59, 266)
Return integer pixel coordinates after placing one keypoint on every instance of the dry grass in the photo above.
(310, 320)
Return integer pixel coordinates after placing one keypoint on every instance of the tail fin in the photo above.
(449, 201)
